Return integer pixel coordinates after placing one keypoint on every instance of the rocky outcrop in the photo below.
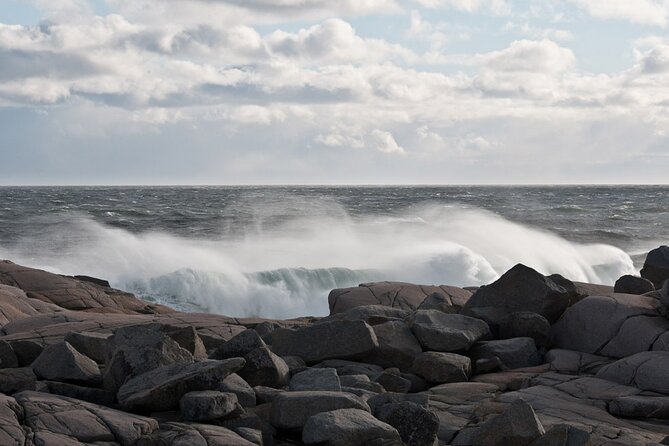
(437, 331)
(349, 427)
(656, 266)
(629, 284)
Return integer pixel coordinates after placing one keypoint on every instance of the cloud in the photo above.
(497, 7)
(385, 142)
(543, 56)
(646, 12)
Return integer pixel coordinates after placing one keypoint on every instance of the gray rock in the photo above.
(162, 388)
(265, 394)
(291, 410)
(61, 362)
(205, 405)
(26, 351)
(438, 301)
(372, 314)
(513, 353)
(518, 426)
(11, 417)
(295, 364)
(8, 358)
(416, 425)
(526, 325)
(193, 434)
(439, 368)
(418, 384)
(264, 368)
(251, 421)
(187, 338)
(316, 379)
(361, 382)
(239, 346)
(91, 344)
(629, 284)
(646, 370)
(234, 383)
(344, 367)
(398, 347)
(637, 406)
(438, 331)
(378, 401)
(656, 266)
(575, 363)
(89, 394)
(349, 427)
(519, 289)
(329, 340)
(391, 381)
(563, 435)
(16, 380)
(252, 435)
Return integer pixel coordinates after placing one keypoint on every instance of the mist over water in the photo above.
(282, 254)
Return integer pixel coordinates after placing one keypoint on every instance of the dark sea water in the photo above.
(277, 251)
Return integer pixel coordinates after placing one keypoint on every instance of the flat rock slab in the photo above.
(349, 427)
(442, 332)
(316, 379)
(328, 340)
(162, 388)
(291, 410)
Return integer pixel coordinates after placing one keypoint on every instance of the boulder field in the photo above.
(529, 360)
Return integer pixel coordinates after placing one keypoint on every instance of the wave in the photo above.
(287, 269)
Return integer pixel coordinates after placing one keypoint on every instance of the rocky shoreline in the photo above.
(527, 360)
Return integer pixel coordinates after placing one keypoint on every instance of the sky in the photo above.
(334, 92)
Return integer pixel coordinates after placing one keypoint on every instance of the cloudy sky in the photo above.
(334, 91)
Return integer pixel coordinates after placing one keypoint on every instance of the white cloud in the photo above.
(498, 7)
(385, 142)
(648, 12)
(543, 56)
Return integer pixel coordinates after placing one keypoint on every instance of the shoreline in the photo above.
(530, 359)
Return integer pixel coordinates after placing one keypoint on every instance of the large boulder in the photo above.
(440, 368)
(513, 353)
(61, 362)
(329, 340)
(16, 380)
(638, 406)
(646, 370)
(442, 332)
(519, 289)
(234, 383)
(563, 435)
(629, 284)
(239, 346)
(316, 379)
(398, 346)
(656, 266)
(570, 362)
(161, 389)
(91, 344)
(372, 314)
(193, 434)
(264, 368)
(349, 427)
(291, 410)
(526, 324)
(205, 405)
(8, 358)
(518, 426)
(401, 295)
(416, 425)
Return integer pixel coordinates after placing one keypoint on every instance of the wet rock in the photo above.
(629, 284)
(437, 331)
(513, 353)
(518, 426)
(16, 380)
(349, 427)
(416, 425)
(61, 362)
(239, 346)
(646, 370)
(526, 325)
(291, 410)
(353, 339)
(316, 379)
(656, 266)
(91, 344)
(207, 405)
(162, 388)
(264, 368)
(439, 368)
(563, 435)
(234, 383)
(398, 347)
(8, 358)
(637, 406)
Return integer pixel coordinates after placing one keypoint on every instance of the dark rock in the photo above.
(575, 363)
(315, 343)
(16, 380)
(391, 381)
(252, 435)
(438, 331)
(92, 395)
(234, 383)
(187, 338)
(344, 367)
(193, 434)
(316, 379)
(633, 285)
(519, 289)
(513, 353)
(398, 347)
(205, 405)
(264, 368)
(349, 427)
(378, 401)
(372, 314)
(61, 362)
(656, 266)
(518, 426)
(264, 394)
(91, 344)
(11, 418)
(637, 406)
(438, 301)
(361, 382)
(295, 364)
(416, 425)
(526, 325)
(563, 435)
(291, 410)
(239, 346)
(487, 365)
(8, 358)
(418, 384)
(251, 421)
(439, 368)
(161, 389)
(26, 351)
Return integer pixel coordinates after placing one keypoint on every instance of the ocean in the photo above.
(278, 251)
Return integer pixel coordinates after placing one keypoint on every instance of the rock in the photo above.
(398, 347)
(360, 382)
(11, 417)
(372, 314)
(526, 325)
(349, 427)
(239, 346)
(437, 331)
(61, 362)
(656, 266)
(563, 435)
(234, 383)
(418, 384)
(16, 380)
(265, 394)
(344, 367)
(629, 284)
(439, 368)
(193, 434)
(91, 344)
(26, 351)
(646, 370)
(251, 421)
(205, 405)
(513, 353)
(291, 410)
(519, 289)
(637, 406)
(416, 425)
(252, 435)
(438, 301)
(187, 338)
(354, 339)
(8, 358)
(89, 394)
(575, 363)
(391, 381)
(401, 295)
(162, 388)
(518, 426)
(378, 401)
(316, 379)
(264, 368)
